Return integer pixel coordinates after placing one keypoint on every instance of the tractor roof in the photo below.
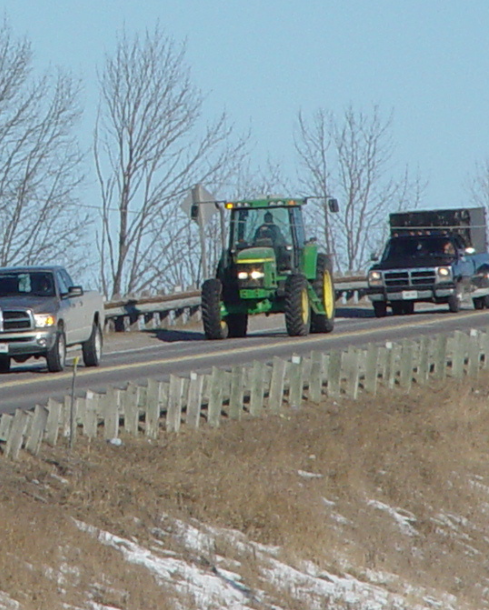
(265, 203)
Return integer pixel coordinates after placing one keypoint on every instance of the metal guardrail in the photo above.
(125, 314)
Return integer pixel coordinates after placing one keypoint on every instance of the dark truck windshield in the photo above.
(38, 283)
(410, 247)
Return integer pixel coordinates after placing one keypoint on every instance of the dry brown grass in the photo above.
(420, 454)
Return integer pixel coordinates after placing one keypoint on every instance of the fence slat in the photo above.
(33, 442)
(194, 400)
(236, 395)
(215, 399)
(17, 432)
(174, 411)
(256, 390)
(277, 381)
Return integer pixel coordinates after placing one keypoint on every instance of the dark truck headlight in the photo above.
(443, 274)
(375, 278)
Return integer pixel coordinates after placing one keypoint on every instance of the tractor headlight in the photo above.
(375, 278)
(256, 275)
(44, 320)
(443, 273)
(243, 275)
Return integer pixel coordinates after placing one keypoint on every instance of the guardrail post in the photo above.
(194, 400)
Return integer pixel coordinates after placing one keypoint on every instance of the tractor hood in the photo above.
(258, 254)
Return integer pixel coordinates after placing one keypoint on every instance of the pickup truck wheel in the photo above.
(56, 356)
(454, 303)
(380, 309)
(478, 302)
(408, 308)
(214, 326)
(297, 306)
(92, 349)
(397, 307)
(4, 364)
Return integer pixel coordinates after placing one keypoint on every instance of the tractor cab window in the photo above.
(260, 227)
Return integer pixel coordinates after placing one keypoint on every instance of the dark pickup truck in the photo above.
(436, 256)
(42, 312)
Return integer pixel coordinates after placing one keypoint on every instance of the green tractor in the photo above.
(269, 267)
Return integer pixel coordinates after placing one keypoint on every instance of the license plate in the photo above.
(3, 348)
(409, 294)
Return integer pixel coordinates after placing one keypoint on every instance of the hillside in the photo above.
(379, 503)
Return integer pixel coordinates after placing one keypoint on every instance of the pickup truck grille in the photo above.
(15, 319)
(409, 278)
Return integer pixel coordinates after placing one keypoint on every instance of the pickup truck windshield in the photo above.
(25, 283)
(399, 248)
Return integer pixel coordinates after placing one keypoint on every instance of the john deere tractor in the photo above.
(269, 267)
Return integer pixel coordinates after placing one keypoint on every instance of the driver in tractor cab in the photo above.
(269, 230)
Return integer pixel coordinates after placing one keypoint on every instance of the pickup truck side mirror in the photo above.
(374, 257)
(75, 291)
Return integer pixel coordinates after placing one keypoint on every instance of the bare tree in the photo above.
(40, 164)
(351, 159)
(478, 185)
(148, 153)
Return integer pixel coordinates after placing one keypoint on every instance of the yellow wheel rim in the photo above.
(305, 307)
(328, 295)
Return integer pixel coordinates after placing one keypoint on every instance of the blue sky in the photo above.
(264, 60)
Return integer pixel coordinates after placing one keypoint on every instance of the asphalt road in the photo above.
(136, 356)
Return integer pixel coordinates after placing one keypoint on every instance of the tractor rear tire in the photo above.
(323, 286)
(297, 307)
(214, 325)
(237, 324)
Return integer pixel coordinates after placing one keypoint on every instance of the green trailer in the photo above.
(269, 267)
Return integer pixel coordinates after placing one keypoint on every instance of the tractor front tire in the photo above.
(237, 324)
(323, 286)
(297, 306)
(214, 325)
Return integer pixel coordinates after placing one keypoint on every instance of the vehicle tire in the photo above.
(237, 324)
(408, 308)
(323, 286)
(92, 349)
(5, 364)
(56, 356)
(397, 307)
(214, 326)
(454, 303)
(380, 309)
(479, 302)
(297, 307)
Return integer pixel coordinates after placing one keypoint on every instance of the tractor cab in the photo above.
(272, 223)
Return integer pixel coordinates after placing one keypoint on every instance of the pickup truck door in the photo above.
(71, 309)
